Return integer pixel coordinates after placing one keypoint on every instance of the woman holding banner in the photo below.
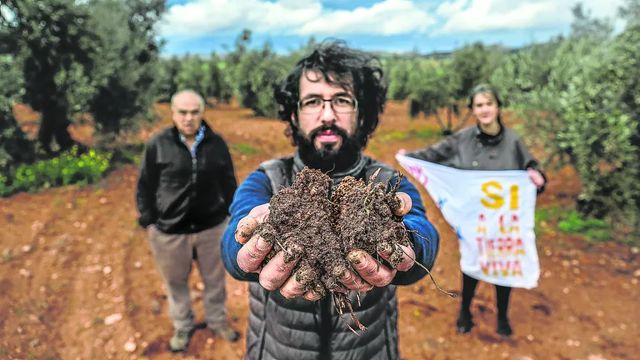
(487, 146)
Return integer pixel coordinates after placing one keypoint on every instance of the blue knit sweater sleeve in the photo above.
(423, 235)
(254, 191)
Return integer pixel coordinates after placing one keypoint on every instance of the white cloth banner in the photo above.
(493, 215)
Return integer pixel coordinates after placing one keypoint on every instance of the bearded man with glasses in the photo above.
(331, 101)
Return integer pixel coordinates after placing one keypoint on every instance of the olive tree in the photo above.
(55, 49)
(124, 75)
(15, 148)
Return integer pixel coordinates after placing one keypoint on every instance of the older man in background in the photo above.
(185, 187)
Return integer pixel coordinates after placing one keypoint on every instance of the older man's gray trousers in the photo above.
(174, 254)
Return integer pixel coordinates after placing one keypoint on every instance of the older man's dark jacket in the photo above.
(181, 193)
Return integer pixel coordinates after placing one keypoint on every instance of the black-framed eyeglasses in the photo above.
(341, 104)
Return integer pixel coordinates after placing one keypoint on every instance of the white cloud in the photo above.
(449, 8)
(385, 17)
(463, 16)
(201, 17)
(388, 17)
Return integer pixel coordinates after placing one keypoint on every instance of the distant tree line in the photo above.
(579, 95)
(243, 73)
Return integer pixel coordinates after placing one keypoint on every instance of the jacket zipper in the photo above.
(194, 170)
(325, 328)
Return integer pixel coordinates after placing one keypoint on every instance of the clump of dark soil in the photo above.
(319, 228)
(365, 219)
(300, 223)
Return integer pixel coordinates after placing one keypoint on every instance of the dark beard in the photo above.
(327, 159)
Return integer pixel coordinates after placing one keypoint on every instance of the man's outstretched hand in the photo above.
(277, 273)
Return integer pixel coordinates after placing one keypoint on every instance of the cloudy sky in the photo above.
(205, 26)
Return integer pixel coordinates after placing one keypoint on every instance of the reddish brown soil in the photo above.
(72, 257)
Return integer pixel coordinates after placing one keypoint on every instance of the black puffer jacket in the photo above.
(297, 329)
(181, 194)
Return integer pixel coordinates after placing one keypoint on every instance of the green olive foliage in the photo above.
(123, 79)
(55, 48)
(207, 76)
(580, 97)
(438, 86)
(15, 148)
(95, 56)
(254, 73)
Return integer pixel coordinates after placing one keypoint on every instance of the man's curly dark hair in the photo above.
(348, 68)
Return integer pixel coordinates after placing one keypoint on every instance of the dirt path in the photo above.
(77, 280)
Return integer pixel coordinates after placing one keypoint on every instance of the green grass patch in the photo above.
(398, 135)
(244, 149)
(427, 133)
(545, 217)
(68, 168)
(548, 213)
(593, 229)
(395, 135)
(4, 185)
(552, 218)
